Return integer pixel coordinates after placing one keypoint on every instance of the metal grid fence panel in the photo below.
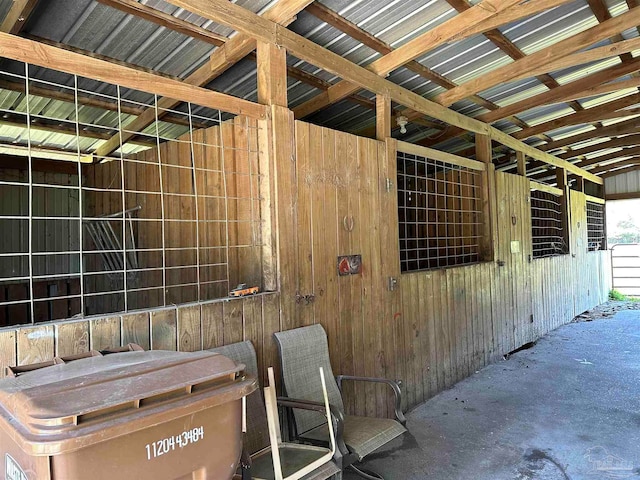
(547, 228)
(595, 227)
(169, 216)
(440, 213)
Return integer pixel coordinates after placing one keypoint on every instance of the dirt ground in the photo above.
(606, 310)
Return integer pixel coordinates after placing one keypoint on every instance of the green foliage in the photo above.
(625, 231)
(616, 295)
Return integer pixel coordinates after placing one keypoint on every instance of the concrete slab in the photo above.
(568, 408)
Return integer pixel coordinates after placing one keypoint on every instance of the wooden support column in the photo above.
(272, 74)
(563, 184)
(522, 163)
(383, 117)
(273, 138)
(579, 183)
(284, 164)
(484, 154)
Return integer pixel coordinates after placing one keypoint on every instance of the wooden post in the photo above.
(522, 163)
(484, 154)
(383, 117)
(579, 183)
(563, 184)
(272, 91)
(272, 74)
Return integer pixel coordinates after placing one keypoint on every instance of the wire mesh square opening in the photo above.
(105, 213)
(439, 213)
(547, 226)
(596, 235)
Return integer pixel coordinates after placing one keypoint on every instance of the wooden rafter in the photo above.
(622, 128)
(626, 141)
(560, 94)
(17, 16)
(227, 55)
(170, 22)
(354, 31)
(158, 17)
(621, 171)
(610, 166)
(557, 95)
(546, 60)
(589, 163)
(609, 110)
(262, 29)
(484, 16)
(28, 51)
(510, 48)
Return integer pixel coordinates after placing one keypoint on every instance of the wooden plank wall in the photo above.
(434, 329)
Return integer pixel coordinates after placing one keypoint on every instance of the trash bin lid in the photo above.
(68, 406)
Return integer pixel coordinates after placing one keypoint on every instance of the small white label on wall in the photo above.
(12, 470)
(515, 246)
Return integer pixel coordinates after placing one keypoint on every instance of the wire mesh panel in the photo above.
(440, 214)
(547, 227)
(595, 227)
(102, 212)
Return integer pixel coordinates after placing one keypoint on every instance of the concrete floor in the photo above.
(569, 408)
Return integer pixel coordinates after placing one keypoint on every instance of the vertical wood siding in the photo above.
(436, 328)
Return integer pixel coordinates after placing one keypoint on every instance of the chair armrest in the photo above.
(336, 415)
(394, 385)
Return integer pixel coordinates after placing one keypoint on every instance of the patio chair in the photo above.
(302, 352)
(257, 444)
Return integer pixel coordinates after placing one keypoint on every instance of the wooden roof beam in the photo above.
(223, 58)
(17, 16)
(622, 128)
(622, 154)
(508, 47)
(482, 17)
(626, 141)
(572, 90)
(354, 31)
(262, 29)
(163, 19)
(609, 166)
(23, 50)
(547, 59)
(609, 110)
(621, 171)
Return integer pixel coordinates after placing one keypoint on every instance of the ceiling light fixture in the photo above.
(402, 123)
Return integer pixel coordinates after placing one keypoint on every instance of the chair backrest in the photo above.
(257, 436)
(302, 352)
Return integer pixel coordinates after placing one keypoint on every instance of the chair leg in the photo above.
(367, 474)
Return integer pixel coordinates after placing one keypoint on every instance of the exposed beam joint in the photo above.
(272, 74)
(264, 30)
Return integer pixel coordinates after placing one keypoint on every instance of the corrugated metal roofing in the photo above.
(95, 27)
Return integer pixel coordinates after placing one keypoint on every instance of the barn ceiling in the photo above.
(364, 31)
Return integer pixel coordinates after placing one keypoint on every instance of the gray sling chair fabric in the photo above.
(256, 440)
(302, 352)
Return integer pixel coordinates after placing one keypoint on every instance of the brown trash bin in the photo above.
(136, 415)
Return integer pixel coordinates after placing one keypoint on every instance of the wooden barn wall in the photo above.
(434, 329)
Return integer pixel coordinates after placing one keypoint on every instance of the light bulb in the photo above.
(402, 123)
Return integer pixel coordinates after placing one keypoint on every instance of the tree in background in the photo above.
(625, 231)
